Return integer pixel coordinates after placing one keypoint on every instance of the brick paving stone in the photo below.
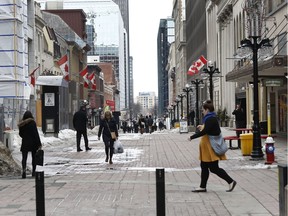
(81, 183)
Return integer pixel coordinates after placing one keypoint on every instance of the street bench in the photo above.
(230, 139)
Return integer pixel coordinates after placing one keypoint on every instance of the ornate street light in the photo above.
(187, 89)
(255, 10)
(177, 101)
(197, 82)
(181, 96)
(211, 71)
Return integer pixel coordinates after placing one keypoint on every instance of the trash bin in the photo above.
(263, 127)
(246, 143)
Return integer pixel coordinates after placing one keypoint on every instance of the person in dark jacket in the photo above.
(30, 140)
(209, 159)
(141, 123)
(80, 125)
(107, 125)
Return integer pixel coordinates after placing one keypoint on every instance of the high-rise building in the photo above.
(124, 8)
(165, 38)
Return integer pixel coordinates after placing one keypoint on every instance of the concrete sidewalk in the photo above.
(81, 183)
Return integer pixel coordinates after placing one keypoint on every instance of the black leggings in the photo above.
(24, 160)
(109, 145)
(214, 168)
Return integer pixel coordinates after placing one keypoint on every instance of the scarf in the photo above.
(208, 115)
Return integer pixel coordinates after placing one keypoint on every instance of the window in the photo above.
(282, 44)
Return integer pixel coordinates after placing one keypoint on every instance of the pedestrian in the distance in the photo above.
(80, 125)
(141, 123)
(30, 140)
(239, 118)
(209, 160)
(108, 125)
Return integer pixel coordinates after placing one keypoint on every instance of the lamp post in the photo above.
(174, 107)
(197, 82)
(255, 11)
(187, 89)
(181, 96)
(212, 70)
(177, 105)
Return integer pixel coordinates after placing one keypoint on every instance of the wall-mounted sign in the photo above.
(49, 99)
(273, 82)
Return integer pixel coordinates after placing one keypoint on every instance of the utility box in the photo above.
(246, 143)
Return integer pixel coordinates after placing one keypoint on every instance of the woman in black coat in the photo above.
(30, 140)
(108, 125)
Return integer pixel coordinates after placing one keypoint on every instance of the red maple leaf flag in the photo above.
(32, 74)
(93, 81)
(194, 69)
(84, 74)
(63, 64)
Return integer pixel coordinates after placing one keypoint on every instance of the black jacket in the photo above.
(29, 133)
(211, 127)
(80, 120)
(104, 130)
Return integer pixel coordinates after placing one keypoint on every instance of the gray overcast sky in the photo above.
(144, 23)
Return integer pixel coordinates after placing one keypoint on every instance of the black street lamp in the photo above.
(254, 45)
(181, 96)
(254, 12)
(177, 101)
(197, 82)
(212, 70)
(187, 89)
(174, 107)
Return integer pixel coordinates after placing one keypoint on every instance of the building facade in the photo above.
(164, 39)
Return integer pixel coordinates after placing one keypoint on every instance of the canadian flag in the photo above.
(63, 64)
(84, 74)
(194, 69)
(93, 81)
(32, 74)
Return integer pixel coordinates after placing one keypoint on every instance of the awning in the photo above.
(274, 67)
(51, 81)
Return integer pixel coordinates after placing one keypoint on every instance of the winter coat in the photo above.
(80, 120)
(29, 133)
(105, 131)
(206, 153)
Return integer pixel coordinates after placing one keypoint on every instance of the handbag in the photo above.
(218, 144)
(39, 157)
(118, 147)
(113, 134)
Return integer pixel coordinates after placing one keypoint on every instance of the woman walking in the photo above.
(30, 140)
(108, 125)
(209, 160)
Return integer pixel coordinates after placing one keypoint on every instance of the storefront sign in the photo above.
(273, 82)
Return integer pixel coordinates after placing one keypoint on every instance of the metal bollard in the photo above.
(160, 192)
(282, 173)
(40, 197)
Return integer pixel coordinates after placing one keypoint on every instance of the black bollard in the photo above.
(40, 197)
(282, 173)
(160, 192)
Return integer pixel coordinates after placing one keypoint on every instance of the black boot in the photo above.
(24, 174)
